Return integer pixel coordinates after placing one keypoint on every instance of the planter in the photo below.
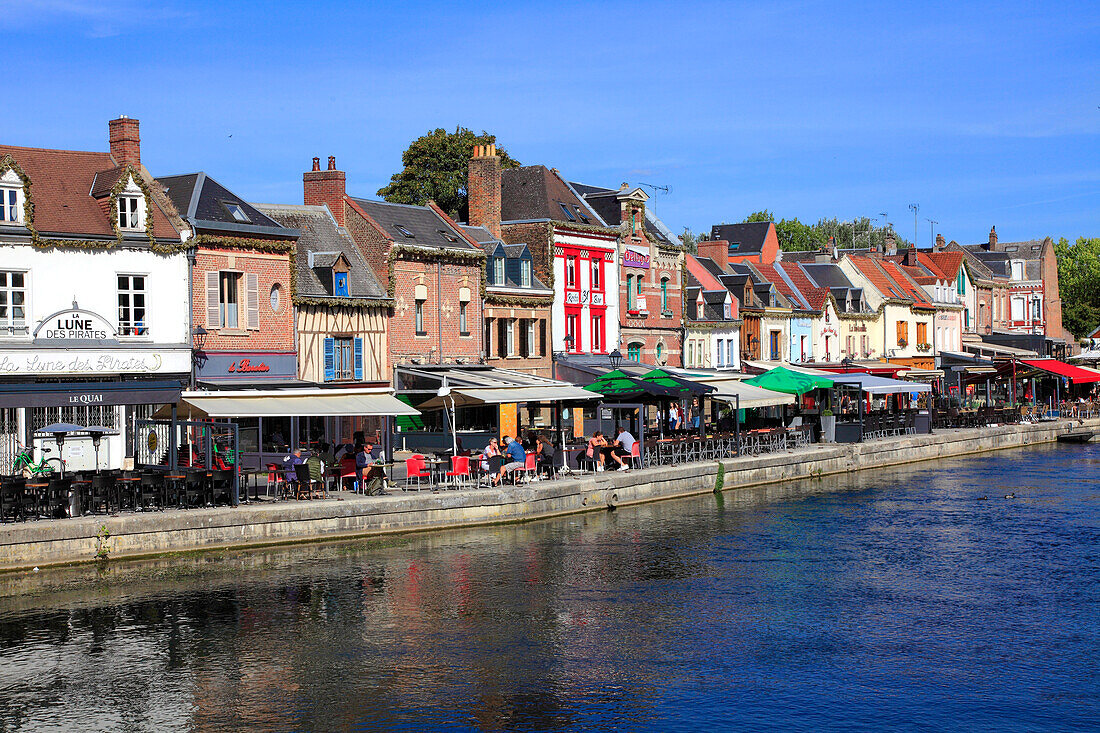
(828, 428)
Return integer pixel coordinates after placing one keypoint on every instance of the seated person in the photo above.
(517, 457)
(289, 462)
(624, 446)
(371, 476)
(544, 458)
(492, 450)
(594, 451)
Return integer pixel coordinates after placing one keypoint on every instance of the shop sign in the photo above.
(75, 324)
(572, 297)
(247, 365)
(230, 366)
(636, 258)
(93, 361)
(597, 299)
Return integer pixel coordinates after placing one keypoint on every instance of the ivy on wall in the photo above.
(446, 256)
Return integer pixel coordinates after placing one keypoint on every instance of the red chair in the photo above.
(460, 469)
(414, 469)
(347, 473)
(635, 456)
(529, 468)
(275, 479)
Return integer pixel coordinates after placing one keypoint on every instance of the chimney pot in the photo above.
(332, 162)
(316, 164)
(483, 189)
(125, 141)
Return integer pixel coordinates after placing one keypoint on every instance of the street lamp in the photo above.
(198, 337)
(616, 358)
(198, 340)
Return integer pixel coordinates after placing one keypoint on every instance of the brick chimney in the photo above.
(910, 257)
(483, 188)
(125, 141)
(992, 239)
(326, 187)
(940, 243)
(717, 250)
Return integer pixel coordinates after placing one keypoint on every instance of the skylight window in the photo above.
(565, 210)
(236, 211)
(404, 231)
(580, 214)
(447, 235)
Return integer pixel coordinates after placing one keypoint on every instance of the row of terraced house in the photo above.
(120, 286)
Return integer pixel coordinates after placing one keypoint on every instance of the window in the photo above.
(509, 336)
(276, 297)
(660, 351)
(597, 333)
(922, 333)
(129, 212)
(597, 273)
(529, 333)
(580, 214)
(960, 283)
(1017, 305)
(1037, 309)
(571, 272)
(13, 299)
(828, 348)
(447, 235)
(343, 358)
(726, 311)
(720, 353)
(664, 295)
(630, 292)
(404, 231)
(568, 214)
(773, 344)
(863, 346)
(463, 330)
(691, 354)
(572, 330)
(638, 284)
(731, 353)
(229, 299)
(1017, 270)
(340, 283)
(903, 333)
(525, 273)
(849, 344)
(498, 270)
(236, 211)
(634, 352)
(420, 318)
(131, 305)
(11, 208)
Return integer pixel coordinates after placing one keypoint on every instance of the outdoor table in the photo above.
(253, 473)
(40, 492)
(437, 467)
(129, 485)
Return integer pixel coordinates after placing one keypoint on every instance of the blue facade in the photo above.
(802, 340)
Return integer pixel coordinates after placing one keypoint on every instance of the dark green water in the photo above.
(895, 600)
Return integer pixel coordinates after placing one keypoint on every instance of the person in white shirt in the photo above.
(624, 446)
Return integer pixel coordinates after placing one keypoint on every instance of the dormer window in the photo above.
(236, 211)
(525, 273)
(498, 270)
(130, 212)
(726, 311)
(340, 284)
(11, 199)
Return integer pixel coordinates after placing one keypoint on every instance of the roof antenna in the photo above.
(666, 190)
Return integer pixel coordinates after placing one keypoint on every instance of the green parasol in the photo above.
(784, 380)
(619, 384)
(680, 387)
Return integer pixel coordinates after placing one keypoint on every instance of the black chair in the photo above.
(303, 487)
(175, 489)
(221, 484)
(57, 497)
(150, 492)
(11, 497)
(195, 491)
(102, 487)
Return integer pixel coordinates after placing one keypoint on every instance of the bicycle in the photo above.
(24, 462)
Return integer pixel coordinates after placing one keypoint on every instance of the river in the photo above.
(883, 600)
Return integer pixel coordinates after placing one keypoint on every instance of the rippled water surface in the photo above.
(889, 600)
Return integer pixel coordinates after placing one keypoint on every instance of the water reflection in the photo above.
(877, 598)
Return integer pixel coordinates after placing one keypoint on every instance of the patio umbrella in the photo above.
(784, 380)
(682, 387)
(619, 384)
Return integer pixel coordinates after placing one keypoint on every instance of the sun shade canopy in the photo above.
(729, 390)
(881, 385)
(301, 402)
(784, 380)
(683, 387)
(1053, 366)
(467, 396)
(617, 383)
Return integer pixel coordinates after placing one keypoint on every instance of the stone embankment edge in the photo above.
(40, 544)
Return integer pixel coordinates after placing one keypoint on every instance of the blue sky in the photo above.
(982, 113)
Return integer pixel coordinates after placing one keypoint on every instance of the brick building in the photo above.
(240, 284)
(752, 242)
(651, 275)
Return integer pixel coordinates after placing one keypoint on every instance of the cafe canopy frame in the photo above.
(881, 385)
(748, 395)
(1076, 374)
(470, 396)
(302, 402)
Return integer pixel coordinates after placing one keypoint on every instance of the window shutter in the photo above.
(252, 299)
(330, 359)
(212, 318)
(542, 337)
(359, 359)
(524, 346)
(502, 337)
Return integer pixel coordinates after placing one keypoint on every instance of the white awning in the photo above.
(727, 390)
(465, 396)
(300, 402)
(999, 349)
(767, 366)
(881, 385)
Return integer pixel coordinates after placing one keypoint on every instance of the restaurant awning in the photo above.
(871, 384)
(301, 402)
(1053, 366)
(997, 349)
(729, 390)
(68, 394)
(786, 380)
(467, 396)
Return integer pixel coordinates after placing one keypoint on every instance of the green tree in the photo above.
(435, 168)
(793, 235)
(1079, 284)
(690, 240)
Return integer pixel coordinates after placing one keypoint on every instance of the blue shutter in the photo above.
(359, 359)
(330, 359)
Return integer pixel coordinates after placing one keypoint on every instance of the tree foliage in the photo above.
(1079, 284)
(435, 168)
(793, 235)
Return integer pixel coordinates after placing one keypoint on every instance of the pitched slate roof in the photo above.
(605, 202)
(537, 192)
(772, 275)
(320, 233)
(413, 225)
(491, 245)
(62, 185)
(700, 273)
(202, 201)
(749, 236)
(814, 295)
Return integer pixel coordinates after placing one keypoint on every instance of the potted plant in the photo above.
(828, 426)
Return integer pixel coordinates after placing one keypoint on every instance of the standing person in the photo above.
(517, 457)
